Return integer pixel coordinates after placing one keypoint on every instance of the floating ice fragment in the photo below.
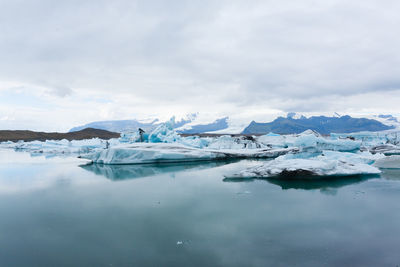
(306, 168)
(243, 193)
(387, 149)
(389, 162)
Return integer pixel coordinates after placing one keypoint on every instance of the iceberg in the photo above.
(308, 153)
(306, 168)
(370, 139)
(389, 162)
(229, 142)
(273, 140)
(60, 147)
(164, 134)
(386, 149)
(312, 141)
(165, 153)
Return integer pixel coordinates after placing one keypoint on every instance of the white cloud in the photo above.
(97, 60)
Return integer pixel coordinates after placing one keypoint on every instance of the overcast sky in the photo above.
(65, 63)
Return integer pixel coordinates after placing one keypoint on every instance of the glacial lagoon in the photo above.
(57, 213)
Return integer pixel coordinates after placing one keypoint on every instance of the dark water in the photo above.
(55, 213)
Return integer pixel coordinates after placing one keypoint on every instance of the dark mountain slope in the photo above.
(321, 124)
(8, 135)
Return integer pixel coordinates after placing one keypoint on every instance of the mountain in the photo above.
(118, 125)
(88, 133)
(190, 124)
(294, 123)
(321, 124)
(219, 124)
(132, 125)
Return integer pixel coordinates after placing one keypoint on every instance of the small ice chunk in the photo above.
(387, 149)
(389, 162)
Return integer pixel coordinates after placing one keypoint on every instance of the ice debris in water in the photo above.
(345, 153)
(60, 147)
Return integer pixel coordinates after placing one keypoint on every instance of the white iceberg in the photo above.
(237, 142)
(273, 140)
(387, 149)
(306, 168)
(389, 162)
(311, 141)
(164, 153)
(60, 147)
(371, 139)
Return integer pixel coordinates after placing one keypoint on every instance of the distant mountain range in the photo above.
(132, 125)
(88, 133)
(119, 125)
(293, 123)
(321, 124)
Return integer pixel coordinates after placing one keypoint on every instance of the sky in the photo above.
(67, 63)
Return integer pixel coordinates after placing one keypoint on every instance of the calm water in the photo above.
(55, 213)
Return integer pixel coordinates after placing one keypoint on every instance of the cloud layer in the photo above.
(92, 60)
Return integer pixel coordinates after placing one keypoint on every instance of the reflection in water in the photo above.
(194, 219)
(123, 172)
(326, 184)
(322, 183)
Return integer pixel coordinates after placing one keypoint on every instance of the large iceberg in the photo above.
(306, 168)
(310, 141)
(164, 153)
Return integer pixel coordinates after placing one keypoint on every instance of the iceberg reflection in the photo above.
(123, 172)
(323, 183)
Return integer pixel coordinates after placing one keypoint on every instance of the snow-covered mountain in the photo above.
(134, 124)
(292, 123)
(387, 119)
(320, 124)
(119, 125)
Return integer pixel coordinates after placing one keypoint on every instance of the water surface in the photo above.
(56, 213)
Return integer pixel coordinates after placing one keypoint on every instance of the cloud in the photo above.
(171, 57)
(60, 91)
